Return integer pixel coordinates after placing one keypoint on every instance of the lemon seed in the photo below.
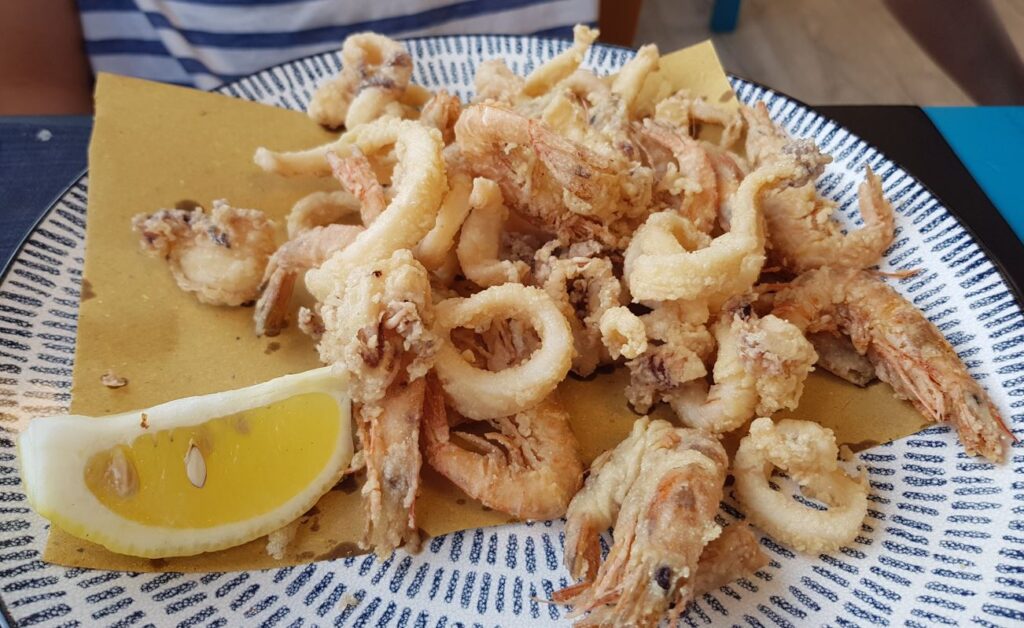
(195, 466)
(121, 475)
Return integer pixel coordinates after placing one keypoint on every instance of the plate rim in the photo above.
(1008, 281)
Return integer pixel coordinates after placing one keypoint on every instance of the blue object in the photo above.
(990, 142)
(725, 15)
(39, 158)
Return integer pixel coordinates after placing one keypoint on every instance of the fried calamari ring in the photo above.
(481, 394)
(807, 452)
(628, 83)
(419, 187)
(373, 66)
(665, 262)
(372, 142)
(480, 242)
(319, 209)
(437, 247)
(623, 333)
(553, 71)
(661, 263)
(371, 104)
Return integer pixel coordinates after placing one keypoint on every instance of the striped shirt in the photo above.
(204, 43)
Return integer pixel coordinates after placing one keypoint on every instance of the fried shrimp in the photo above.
(630, 79)
(730, 169)
(320, 209)
(761, 367)
(764, 138)
(596, 506)
(665, 260)
(735, 554)
(584, 287)
(661, 487)
(908, 352)
(307, 250)
(218, 256)
(419, 186)
(375, 71)
(553, 71)
(482, 394)
(602, 187)
(801, 230)
(356, 175)
(480, 241)
(495, 81)
(390, 432)
(804, 235)
(534, 448)
(558, 185)
(377, 324)
(837, 355)
(622, 333)
(441, 112)
(690, 178)
(807, 452)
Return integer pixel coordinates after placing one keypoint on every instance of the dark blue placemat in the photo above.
(39, 158)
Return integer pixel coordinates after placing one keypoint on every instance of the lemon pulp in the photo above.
(253, 461)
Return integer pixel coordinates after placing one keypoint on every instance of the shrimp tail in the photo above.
(271, 313)
(390, 434)
(582, 548)
(960, 402)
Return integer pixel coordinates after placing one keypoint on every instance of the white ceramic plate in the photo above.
(943, 542)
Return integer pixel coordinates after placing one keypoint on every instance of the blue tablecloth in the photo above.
(39, 159)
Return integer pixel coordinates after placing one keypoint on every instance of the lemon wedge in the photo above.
(192, 475)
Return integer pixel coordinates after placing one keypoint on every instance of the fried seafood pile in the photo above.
(474, 255)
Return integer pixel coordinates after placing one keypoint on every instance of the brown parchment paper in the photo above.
(157, 146)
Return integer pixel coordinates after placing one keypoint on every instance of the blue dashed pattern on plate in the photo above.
(943, 543)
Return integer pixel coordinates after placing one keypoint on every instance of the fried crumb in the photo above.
(144, 421)
(279, 540)
(111, 380)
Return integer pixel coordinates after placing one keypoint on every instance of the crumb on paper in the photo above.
(144, 421)
(44, 135)
(279, 540)
(349, 600)
(112, 380)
